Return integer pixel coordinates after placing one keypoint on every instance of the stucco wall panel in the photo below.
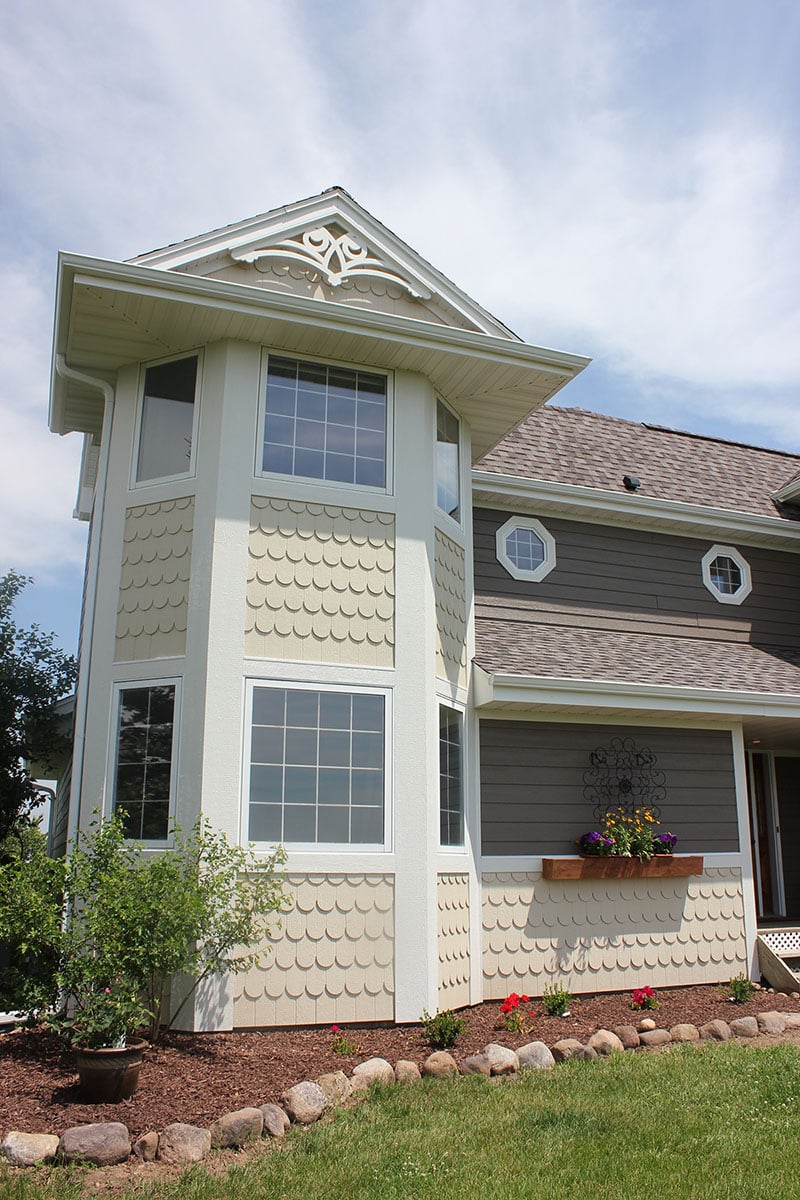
(320, 584)
(333, 960)
(451, 609)
(602, 937)
(153, 601)
(453, 939)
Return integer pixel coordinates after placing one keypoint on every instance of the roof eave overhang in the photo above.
(600, 506)
(494, 382)
(503, 690)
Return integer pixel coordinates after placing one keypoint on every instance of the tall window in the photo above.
(447, 465)
(143, 767)
(317, 766)
(165, 434)
(451, 786)
(325, 422)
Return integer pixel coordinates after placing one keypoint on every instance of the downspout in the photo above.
(90, 600)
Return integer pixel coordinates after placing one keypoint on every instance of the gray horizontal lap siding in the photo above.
(532, 785)
(608, 577)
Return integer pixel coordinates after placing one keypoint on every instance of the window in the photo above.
(726, 575)
(325, 422)
(526, 549)
(167, 420)
(317, 766)
(451, 790)
(447, 464)
(143, 766)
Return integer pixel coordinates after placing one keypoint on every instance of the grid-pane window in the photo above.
(317, 762)
(143, 773)
(325, 422)
(726, 575)
(451, 784)
(165, 436)
(525, 549)
(447, 471)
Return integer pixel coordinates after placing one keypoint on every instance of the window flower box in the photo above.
(615, 866)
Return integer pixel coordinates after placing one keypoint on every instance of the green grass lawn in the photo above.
(713, 1123)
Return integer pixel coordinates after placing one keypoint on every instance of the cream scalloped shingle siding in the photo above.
(154, 582)
(451, 610)
(607, 935)
(320, 584)
(453, 943)
(333, 960)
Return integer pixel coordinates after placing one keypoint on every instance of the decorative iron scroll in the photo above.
(623, 776)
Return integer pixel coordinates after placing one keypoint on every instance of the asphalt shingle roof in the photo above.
(573, 446)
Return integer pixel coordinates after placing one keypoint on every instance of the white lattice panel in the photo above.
(783, 941)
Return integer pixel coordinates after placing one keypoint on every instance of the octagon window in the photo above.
(526, 549)
(726, 575)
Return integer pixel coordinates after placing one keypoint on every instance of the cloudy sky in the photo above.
(610, 177)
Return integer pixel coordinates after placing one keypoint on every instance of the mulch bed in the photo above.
(198, 1077)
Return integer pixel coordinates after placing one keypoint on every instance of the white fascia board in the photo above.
(218, 294)
(665, 698)
(789, 492)
(601, 506)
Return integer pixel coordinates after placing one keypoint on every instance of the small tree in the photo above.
(34, 674)
(31, 933)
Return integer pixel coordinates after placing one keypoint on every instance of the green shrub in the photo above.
(741, 989)
(556, 1000)
(443, 1028)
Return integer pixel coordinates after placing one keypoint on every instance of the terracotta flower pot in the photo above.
(109, 1074)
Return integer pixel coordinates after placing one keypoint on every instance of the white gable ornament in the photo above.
(337, 257)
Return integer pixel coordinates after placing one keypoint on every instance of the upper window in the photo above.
(447, 464)
(167, 421)
(325, 422)
(451, 788)
(727, 575)
(143, 766)
(317, 766)
(526, 549)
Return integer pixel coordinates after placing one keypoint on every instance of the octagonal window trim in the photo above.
(504, 536)
(711, 577)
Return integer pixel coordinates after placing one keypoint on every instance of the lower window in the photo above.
(144, 753)
(451, 789)
(317, 766)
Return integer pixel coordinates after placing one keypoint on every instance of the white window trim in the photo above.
(443, 518)
(744, 567)
(462, 845)
(137, 484)
(113, 751)
(329, 485)
(547, 539)
(319, 848)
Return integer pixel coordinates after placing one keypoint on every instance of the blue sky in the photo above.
(615, 179)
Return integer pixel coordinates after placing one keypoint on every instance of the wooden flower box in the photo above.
(613, 866)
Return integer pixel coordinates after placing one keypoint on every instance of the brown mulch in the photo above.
(198, 1077)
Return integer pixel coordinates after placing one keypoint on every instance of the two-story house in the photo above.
(351, 589)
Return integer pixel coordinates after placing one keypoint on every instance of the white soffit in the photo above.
(111, 314)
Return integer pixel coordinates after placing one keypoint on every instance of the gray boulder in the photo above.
(627, 1035)
(28, 1149)
(646, 1024)
(238, 1128)
(566, 1049)
(104, 1144)
(440, 1064)
(792, 1019)
(535, 1056)
(407, 1071)
(276, 1121)
(684, 1032)
(715, 1031)
(587, 1054)
(180, 1143)
(145, 1147)
(374, 1070)
(655, 1037)
(477, 1064)
(305, 1102)
(744, 1027)
(337, 1087)
(771, 1022)
(502, 1061)
(605, 1042)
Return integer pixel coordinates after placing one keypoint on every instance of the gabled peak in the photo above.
(330, 248)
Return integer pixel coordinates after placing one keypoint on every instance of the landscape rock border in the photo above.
(109, 1143)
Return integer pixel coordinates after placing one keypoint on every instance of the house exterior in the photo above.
(351, 588)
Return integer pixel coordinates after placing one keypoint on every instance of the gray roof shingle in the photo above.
(573, 446)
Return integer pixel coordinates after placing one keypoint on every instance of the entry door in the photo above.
(787, 786)
(765, 836)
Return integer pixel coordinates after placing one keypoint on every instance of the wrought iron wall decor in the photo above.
(623, 776)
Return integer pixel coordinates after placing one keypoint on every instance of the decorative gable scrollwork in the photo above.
(336, 256)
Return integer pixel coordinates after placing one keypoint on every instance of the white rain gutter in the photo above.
(90, 598)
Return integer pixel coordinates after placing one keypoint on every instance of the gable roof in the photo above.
(576, 447)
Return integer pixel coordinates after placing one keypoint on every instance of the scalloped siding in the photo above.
(320, 584)
(154, 583)
(333, 960)
(453, 943)
(451, 610)
(610, 935)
